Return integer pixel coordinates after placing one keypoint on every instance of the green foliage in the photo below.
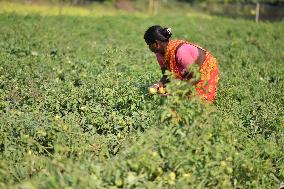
(75, 112)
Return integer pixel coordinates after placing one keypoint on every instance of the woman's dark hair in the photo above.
(154, 33)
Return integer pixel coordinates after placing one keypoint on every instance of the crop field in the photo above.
(75, 112)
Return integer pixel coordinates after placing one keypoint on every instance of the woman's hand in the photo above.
(153, 89)
(157, 88)
(189, 76)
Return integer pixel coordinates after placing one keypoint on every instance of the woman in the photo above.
(177, 55)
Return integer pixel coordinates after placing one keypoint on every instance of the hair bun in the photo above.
(167, 33)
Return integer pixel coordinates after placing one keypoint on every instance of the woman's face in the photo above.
(154, 47)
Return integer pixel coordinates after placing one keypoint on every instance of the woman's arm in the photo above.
(188, 56)
(164, 79)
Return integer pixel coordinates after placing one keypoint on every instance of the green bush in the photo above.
(75, 112)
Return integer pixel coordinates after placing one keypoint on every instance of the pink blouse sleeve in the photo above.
(160, 60)
(186, 55)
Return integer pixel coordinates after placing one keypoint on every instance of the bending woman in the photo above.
(177, 55)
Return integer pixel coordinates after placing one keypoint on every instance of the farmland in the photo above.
(75, 112)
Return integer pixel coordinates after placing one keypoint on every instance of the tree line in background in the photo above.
(274, 2)
(235, 1)
(206, 1)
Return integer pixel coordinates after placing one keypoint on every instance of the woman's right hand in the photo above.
(157, 88)
(153, 89)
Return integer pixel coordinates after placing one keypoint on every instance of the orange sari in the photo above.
(207, 86)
